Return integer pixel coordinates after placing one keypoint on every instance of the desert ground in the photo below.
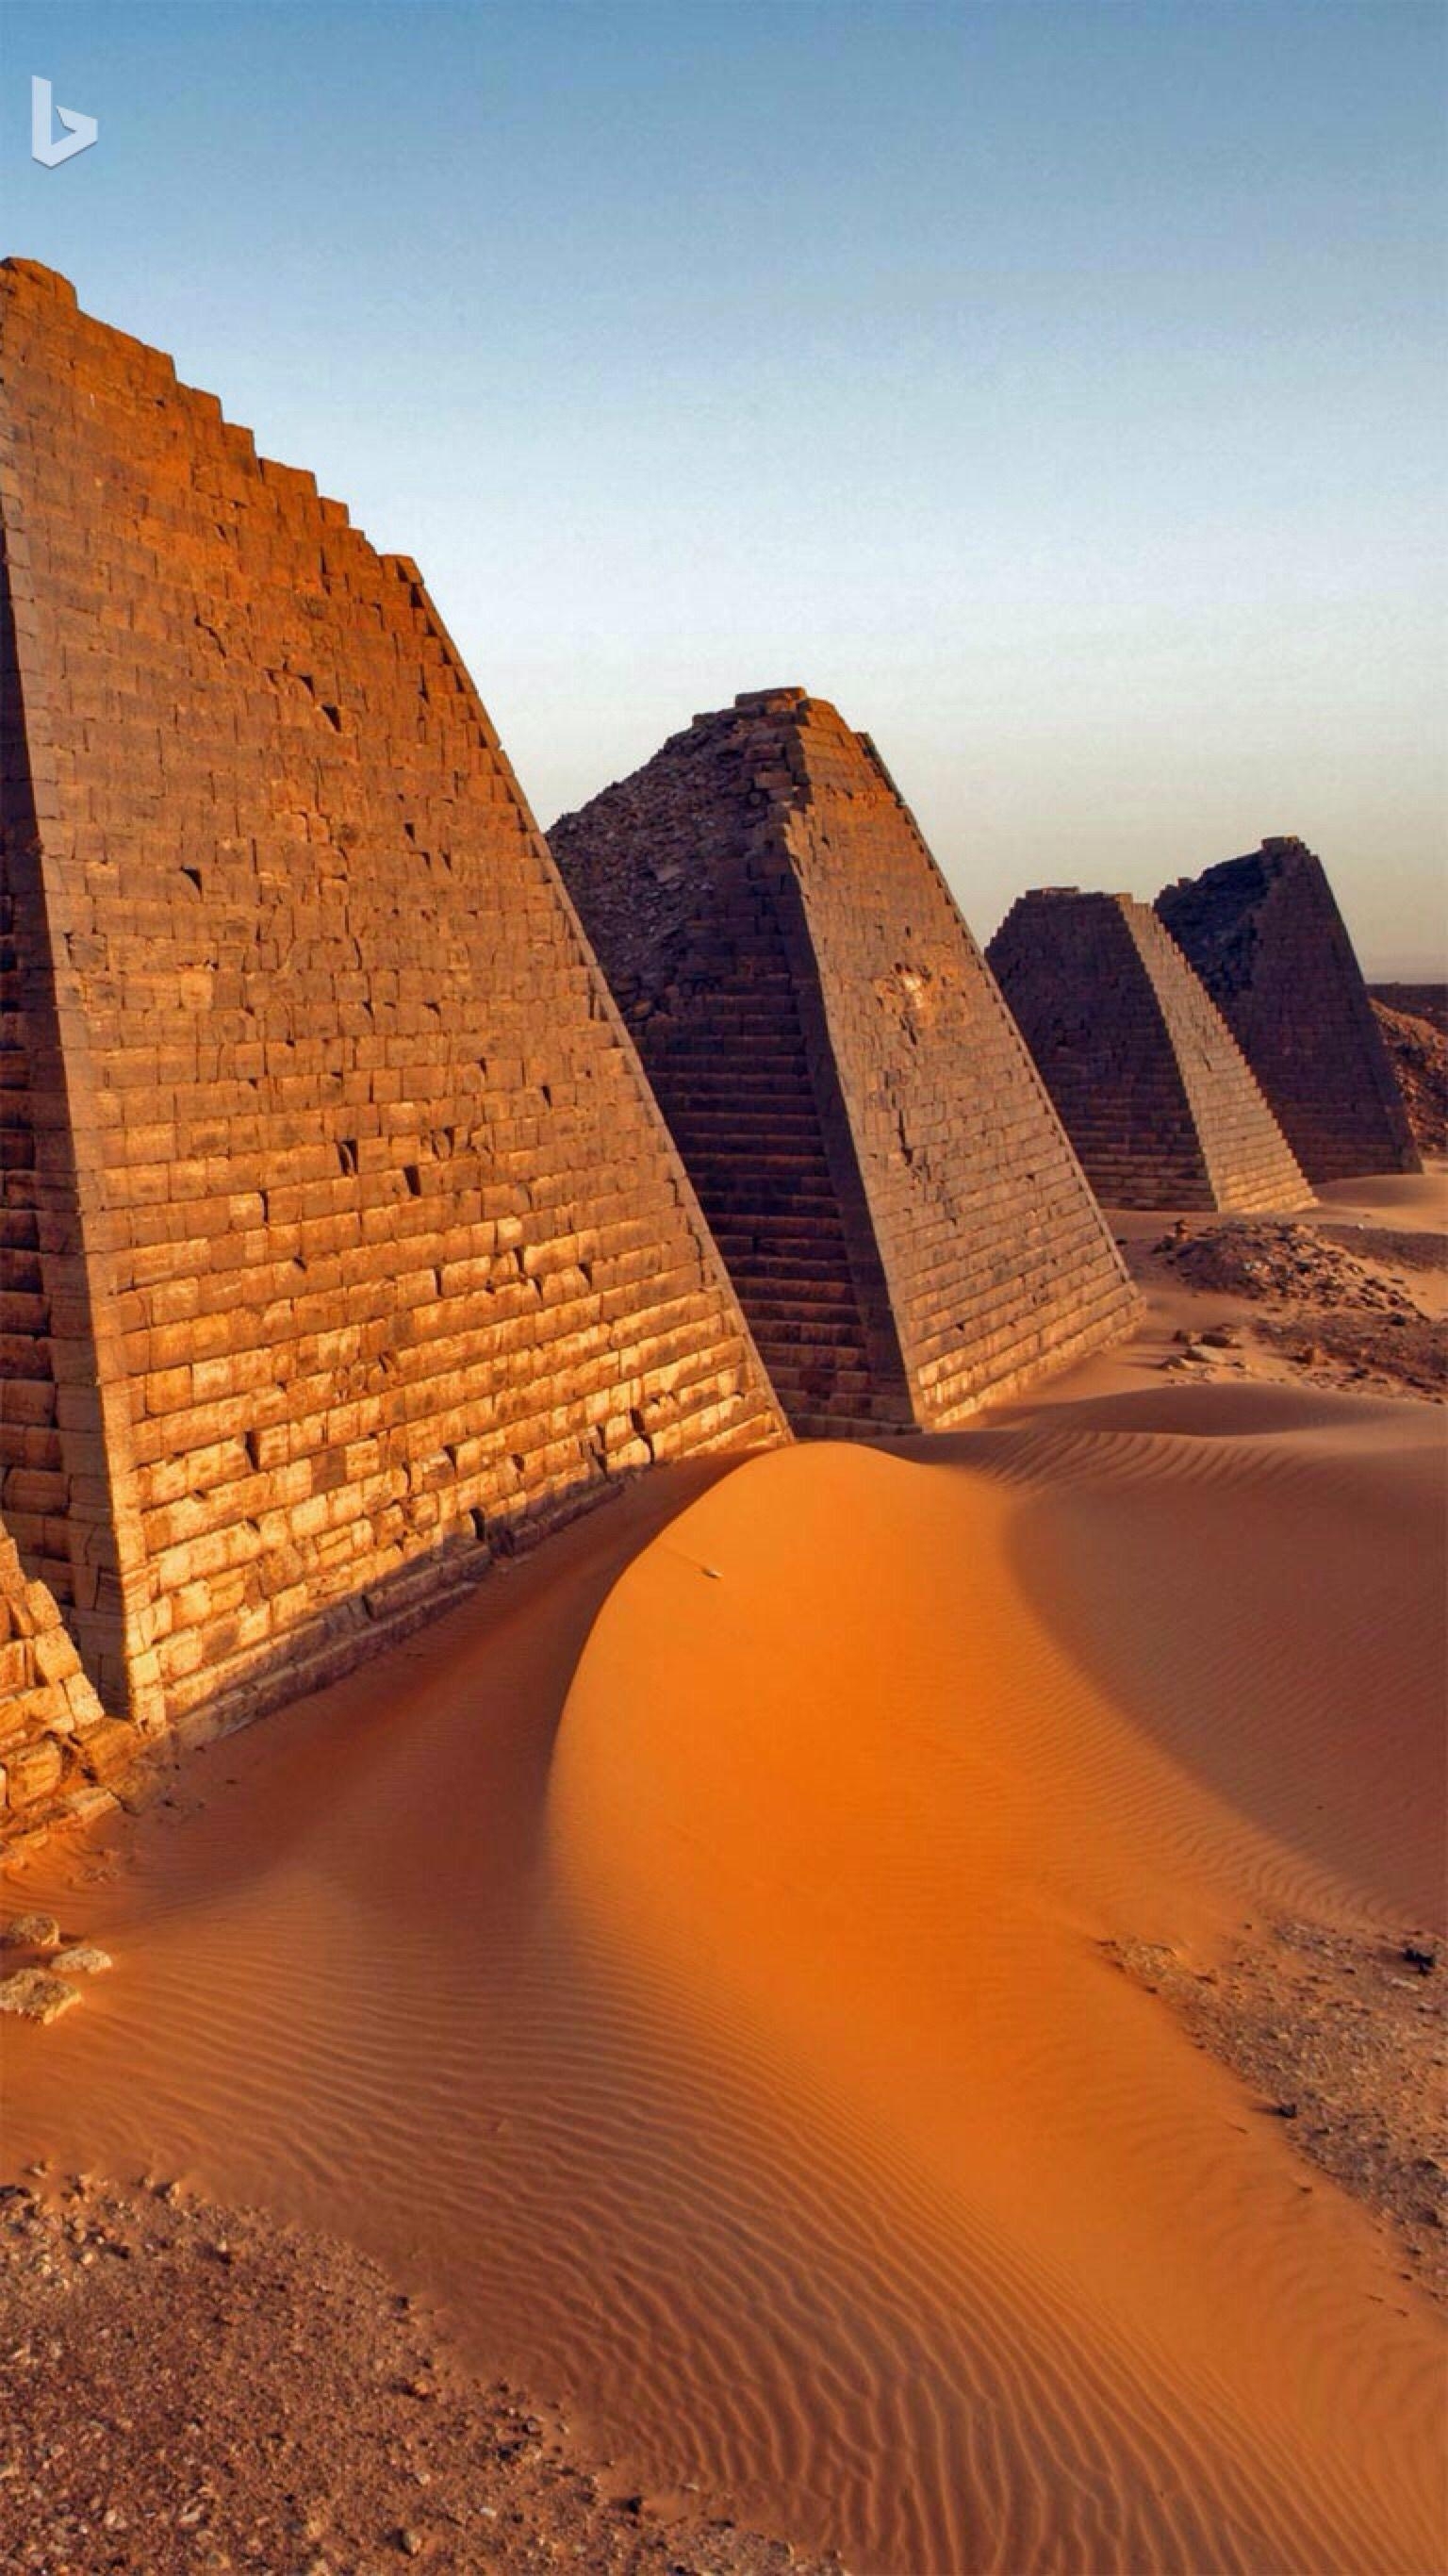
(881, 2001)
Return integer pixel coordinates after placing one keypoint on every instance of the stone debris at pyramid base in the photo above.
(60, 1754)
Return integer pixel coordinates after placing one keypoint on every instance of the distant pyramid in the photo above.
(342, 1239)
(904, 1219)
(1152, 1088)
(1269, 943)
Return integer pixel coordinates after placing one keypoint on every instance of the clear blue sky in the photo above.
(1058, 388)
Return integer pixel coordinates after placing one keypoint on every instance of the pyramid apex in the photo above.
(770, 701)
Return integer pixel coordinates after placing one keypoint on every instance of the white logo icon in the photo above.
(45, 144)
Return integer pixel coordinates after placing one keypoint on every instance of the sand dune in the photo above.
(688, 1957)
(902, 1805)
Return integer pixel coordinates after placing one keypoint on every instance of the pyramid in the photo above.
(343, 1244)
(1152, 1088)
(904, 1219)
(1269, 943)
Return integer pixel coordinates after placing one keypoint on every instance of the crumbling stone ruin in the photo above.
(342, 1240)
(904, 1219)
(57, 1744)
(1152, 1088)
(1269, 943)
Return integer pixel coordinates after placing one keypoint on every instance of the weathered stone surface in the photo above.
(56, 1743)
(36, 1994)
(1152, 1088)
(84, 1960)
(1269, 943)
(903, 1216)
(343, 1244)
(29, 1932)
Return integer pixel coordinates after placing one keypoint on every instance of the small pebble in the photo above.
(84, 1960)
(36, 1994)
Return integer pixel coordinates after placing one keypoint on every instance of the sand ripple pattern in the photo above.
(689, 1961)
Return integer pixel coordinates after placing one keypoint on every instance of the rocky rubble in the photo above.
(191, 2391)
(41, 1990)
(1334, 1303)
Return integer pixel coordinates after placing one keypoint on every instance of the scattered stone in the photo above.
(29, 1932)
(251, 2419)
(1327, 1304)
(84, 1960)
(37, 1995)
(1340, 2048)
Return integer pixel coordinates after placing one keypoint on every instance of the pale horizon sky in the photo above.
(1057, 388)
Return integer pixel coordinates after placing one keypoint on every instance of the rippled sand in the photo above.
(687, 1958)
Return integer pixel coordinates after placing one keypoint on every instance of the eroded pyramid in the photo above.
(1269, 943)
(1152, 1087)
(343, 1240)
(905, 1221)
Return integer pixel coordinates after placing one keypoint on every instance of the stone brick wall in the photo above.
(1153, 1090)
(1269, 943)
(903, 1216)
(57, 1746)
(344, 1243)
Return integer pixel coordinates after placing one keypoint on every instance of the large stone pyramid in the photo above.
(1153, 1089)
(905, 1221)
(342, 1238)
(1269, 943)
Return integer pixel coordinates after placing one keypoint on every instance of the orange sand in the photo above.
(716, 2013)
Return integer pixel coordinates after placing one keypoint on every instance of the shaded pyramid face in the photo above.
(1152, 1088)
(343, 1241)
(1269, 943)
(904, 1219)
